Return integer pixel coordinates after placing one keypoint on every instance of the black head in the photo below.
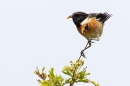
(78, 17)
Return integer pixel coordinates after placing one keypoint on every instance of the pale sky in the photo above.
(37, 33)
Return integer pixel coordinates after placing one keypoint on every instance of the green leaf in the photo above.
(82, 74)
(67, 73)
(51, 73)
(94, 83)
(68, 81)
(83, 80)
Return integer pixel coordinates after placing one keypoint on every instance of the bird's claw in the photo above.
(82, 53)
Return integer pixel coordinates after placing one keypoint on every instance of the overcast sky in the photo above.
(37, 33)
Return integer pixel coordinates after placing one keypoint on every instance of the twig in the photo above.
(86, 47)
(82, 54)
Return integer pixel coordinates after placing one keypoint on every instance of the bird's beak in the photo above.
(69, 17)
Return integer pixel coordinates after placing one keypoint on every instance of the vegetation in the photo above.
(75, 71)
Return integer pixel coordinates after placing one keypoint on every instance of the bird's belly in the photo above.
(93, 34)
(95, 29)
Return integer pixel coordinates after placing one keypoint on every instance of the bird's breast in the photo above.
(95, 29)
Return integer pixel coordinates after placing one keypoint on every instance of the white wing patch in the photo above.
(84, 21)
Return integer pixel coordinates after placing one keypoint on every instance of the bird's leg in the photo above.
(86, 47)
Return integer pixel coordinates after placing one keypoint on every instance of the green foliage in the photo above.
(49, 80)
(74, 71)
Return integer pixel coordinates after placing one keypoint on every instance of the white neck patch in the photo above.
(84, 21)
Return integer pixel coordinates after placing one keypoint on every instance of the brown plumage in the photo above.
(94, 30)
(89, 25)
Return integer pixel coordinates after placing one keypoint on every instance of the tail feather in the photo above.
(107, 16)
(103, 17)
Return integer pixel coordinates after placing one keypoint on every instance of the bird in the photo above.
(89, 25)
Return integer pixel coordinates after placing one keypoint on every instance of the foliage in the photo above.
(73, 71)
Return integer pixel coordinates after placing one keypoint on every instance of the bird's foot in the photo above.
(82, 53)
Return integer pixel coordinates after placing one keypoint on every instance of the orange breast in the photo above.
(95, 29)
